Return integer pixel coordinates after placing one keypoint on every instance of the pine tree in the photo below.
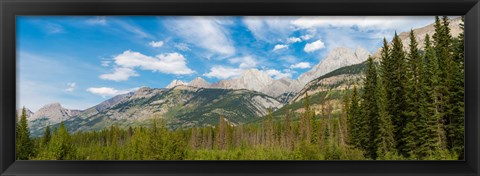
(24, 144)
(415, 107)
(384, 141)
(354, 120)
(313, 127)
(47, 135)
(344, 118)
(306, 119)
(290, 138)
(397, 85)
(369, 105)
(457, 92)
(435, 121)
(60, 146)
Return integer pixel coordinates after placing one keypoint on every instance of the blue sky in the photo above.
(81, 61)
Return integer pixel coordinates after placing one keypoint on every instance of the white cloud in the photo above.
(108, 91)
(245, 62)
(294, 40)
(364, 23)
(306, 36)
(279, 47)
(182, 47)
(316, 45)
(71, 87)
(222, 72)
(277, 74)
(119, 74)
(171, 63)
(98, 20)
(269, 29)
(301, 65)
(156, 44)
(208, 33)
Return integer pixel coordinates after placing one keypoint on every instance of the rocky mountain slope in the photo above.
(199, 82)
(420, 33)
(337, 58)
(175, 83)
(251, 79)
(181, 106)
(339, 79)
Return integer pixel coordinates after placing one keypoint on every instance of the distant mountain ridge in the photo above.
(180, 106)
(257, 80)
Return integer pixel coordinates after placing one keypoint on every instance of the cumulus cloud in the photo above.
(306, 36)
(279, 47)
(223, 72)
(301, 65)
(294, 40)
(119, 74)
(208, 33)
(171, 63)
(316, 45)
(244, 62)
(156, 44)
(71, 87)
(108, 91)
(277, 74)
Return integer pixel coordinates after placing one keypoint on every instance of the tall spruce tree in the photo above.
(47, 135)
(433, 87)
(354, 122)
(429, 136)
(415, 105)
(23, 143)
(457, 92)
(387, 69)
(384, 141)
(397, 85)
(369, 105)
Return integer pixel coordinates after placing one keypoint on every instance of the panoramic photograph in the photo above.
(240, 88)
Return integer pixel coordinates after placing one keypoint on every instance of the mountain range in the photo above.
(243, 99)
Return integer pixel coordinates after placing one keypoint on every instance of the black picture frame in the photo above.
(11, 8)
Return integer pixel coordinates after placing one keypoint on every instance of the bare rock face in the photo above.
(199, 82)
(251, 79)
(262, 104)
(175, 83)
(281, 86)
(55, 113)
(420, 33)
(337, 58)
